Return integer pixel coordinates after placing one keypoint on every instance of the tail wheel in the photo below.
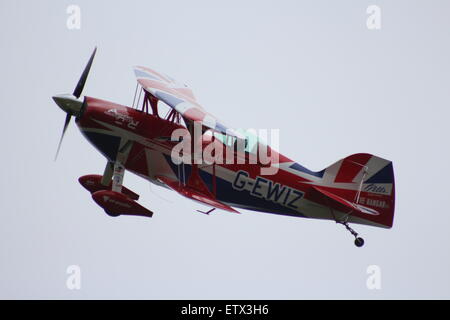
(359, 242)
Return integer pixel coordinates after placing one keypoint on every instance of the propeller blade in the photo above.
(80, 85)
(66, 124)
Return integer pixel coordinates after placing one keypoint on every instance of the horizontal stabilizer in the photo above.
(335, 202)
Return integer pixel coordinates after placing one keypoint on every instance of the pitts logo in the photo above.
(268, 190)
(375, 188)
(122, 118)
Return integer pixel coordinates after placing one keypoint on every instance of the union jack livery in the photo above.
(357, 189)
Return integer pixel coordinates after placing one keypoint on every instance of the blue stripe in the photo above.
(107, 144)
(301, 168)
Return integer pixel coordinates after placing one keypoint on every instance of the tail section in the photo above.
(367, 182)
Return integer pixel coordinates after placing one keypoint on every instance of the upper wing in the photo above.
(179, 97)
(151, 81)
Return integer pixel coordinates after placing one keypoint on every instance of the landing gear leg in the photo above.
(107, 174)
(119, 171)
(359, 242)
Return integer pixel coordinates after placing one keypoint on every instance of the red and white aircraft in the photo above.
(358, 189)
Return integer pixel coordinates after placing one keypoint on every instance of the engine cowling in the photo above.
(92, 183)
(115, 204)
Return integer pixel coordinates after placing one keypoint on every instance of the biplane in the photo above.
(140, 139)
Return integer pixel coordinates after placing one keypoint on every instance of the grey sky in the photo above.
(310, 68)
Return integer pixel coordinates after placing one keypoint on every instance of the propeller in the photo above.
(84, 75)
(66, 124)
(71, 103)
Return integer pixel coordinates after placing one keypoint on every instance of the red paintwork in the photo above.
(351, 166)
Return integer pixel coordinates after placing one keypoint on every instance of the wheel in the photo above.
(359, 242)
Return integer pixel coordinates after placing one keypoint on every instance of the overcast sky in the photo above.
(310, 68)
